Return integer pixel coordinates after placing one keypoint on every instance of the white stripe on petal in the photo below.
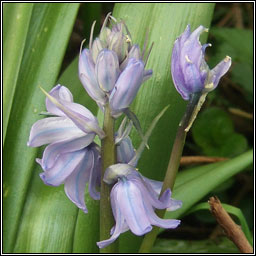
(52, 152)
(63, 167)
(53, 129)
(130, 202)
(76, 182)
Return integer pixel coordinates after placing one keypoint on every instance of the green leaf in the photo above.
(203, 183)
(213, 131)
(242, 74)
(230, 209)
(239, 43)
(16, 17)
(48, 33)
(223, 245)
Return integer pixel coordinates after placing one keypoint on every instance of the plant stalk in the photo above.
(173, 167)
(108, 155)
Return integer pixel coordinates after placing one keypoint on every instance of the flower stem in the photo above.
(172, 168)
(108, 158)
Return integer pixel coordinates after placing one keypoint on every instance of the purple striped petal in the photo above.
(177, 73)
(218, 71)
(107, 69)
(80, 115)
(130, 201)
(155, 184)
(149, 195)
(188, 67)
(75, 184)
(59, 92)
(117, 230)
(52, 152)
(53, 129)
(63, 167)
(94, 174)
(156, 221)
(88, 79)
(127, 86)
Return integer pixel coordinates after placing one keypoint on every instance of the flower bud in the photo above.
(190, 72)
(107, 69)
(126, 86)
(88, 79)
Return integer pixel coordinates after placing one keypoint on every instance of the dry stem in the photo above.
(232, 230)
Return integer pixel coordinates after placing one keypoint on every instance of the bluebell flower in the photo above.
(190, 72)
(133, 202)
(71, 158)
(112, 69)
(135, 197)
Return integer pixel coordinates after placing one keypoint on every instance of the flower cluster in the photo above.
(71, 158)
(112, 70)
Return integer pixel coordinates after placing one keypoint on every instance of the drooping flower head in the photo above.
(112, 69)
(190, 72)
(71, 158)
(135, 197)
(133, 202)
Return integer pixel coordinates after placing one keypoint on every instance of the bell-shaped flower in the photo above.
(71, 152)
(190, 72)
(133, 202)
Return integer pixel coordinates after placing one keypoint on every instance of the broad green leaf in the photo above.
(164, 23)
(240, 42)
(167, 246)
(16, 17)
(230, 209)
(213, 132)
(195, 189)
(48, 33)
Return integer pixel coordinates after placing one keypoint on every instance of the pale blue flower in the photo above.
(71, 158)
(134, 201)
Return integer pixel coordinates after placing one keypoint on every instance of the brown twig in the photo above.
(187, 160)
(232, 230)
(240, 112)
